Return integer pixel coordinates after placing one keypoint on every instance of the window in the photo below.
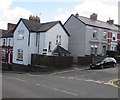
(58, 40)
(9, 42)
(94, 33)
(3, 54)
(94, 49)
(114, 37)
(20, 55)
(3, 42)
(20, 34)
(49, 47)
(104, 35)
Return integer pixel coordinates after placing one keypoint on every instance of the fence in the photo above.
(57, 62)
(84, 60)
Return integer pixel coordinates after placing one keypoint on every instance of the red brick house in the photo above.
(7, 44)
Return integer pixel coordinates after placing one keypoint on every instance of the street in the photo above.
(72, 83)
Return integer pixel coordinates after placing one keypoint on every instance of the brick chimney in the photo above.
(110, 21)
(93, 16)
(11, 26)
(34, 18)
(77, 15)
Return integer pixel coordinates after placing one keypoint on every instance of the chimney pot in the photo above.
(93, 16)
(110, 21)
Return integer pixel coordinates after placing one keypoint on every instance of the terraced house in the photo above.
(6, 45)
(90, 36)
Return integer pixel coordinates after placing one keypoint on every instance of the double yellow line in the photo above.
(111, 82)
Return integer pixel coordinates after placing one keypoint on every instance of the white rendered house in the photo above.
(33, 37)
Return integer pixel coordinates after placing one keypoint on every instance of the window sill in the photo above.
(19, 59)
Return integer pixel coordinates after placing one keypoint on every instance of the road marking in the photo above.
(75, 69)
(53, 73)
(57, 89)
(66, 71)
(111, 82)
(16, 79)
(33, 75)
(71, 78)
(62, 77)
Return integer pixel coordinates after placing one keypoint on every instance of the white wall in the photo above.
(51, 36)
(32, 47)
(21, 44)
(42, 37)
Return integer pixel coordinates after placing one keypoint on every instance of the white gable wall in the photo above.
(32, 46)
(21, 44)
(51, 34)
(42, 37)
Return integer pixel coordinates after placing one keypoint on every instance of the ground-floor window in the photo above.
(3, 54)
(20, 54)
(94, 49)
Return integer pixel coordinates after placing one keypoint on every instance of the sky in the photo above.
(54, 10)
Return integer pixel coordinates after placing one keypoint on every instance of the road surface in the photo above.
(72, 83)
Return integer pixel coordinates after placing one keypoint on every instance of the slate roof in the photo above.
(34, 26)
(60, 50)
(97, 23)
(2, 32)
(7, 33)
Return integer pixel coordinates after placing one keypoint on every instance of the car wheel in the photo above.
(113, 65)
(91, 67)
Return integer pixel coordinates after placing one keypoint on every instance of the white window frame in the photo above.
(94, 35)
(94, 49)
(4, 42)
(105, 35)
(9, 40)
(58, 39)
(20, 35)
(114, 36)
(3, 54)
(20, 54)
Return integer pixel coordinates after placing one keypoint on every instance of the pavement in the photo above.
(69, 83)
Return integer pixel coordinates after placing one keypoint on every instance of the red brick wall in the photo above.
(109, 34)
(11, 26)
(118, 36)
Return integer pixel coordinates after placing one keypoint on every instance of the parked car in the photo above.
(102, 63)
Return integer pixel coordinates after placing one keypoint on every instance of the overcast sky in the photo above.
(51, 10)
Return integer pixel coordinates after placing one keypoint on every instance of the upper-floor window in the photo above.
(104, 35)
(20, 34)
(9, 42)
(114, 37)
(58, 40)
(94, 33)
(3, 42)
